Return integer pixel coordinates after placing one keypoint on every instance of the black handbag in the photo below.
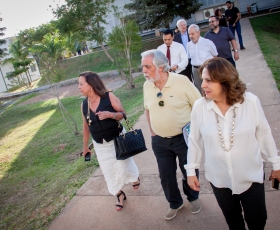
(130, 143)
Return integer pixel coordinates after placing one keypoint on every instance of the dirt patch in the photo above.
(65, 91)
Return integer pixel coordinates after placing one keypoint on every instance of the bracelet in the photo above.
(114, 117)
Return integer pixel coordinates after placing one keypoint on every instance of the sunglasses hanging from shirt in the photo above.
(159, 95)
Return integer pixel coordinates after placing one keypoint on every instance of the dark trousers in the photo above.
(231, 61)
(188, 71)
(252, 201)
(166, 151)
(238, 31)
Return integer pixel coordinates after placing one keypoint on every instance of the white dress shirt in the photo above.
(178, 55)
(238, 168)
(201, 51)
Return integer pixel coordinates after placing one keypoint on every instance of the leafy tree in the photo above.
(87, 17)
(50, 51)
(2, 41)
(124, 40)
(150, 14)
(20, 60)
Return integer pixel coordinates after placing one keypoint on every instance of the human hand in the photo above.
(233, 25)
(102, 115)
(174, 67)
(236, 56)
(275, 174)
(193, 183)
(85, 151)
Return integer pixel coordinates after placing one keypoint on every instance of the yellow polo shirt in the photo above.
(179, 95)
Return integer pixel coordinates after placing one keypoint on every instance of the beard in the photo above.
(152, 79)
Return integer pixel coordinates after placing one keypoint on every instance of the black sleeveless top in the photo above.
(102, 129)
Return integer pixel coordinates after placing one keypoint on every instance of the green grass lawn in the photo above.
(267, 30)
(40, 167)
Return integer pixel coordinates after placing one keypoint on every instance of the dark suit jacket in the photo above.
(188, 70)
(178, 38)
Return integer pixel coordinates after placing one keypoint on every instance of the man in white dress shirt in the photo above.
(200, 50)
(174, 51)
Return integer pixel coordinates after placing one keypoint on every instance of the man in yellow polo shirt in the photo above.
(168, 100)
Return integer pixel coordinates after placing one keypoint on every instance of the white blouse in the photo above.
(238, 168)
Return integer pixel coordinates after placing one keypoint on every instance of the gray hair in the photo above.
(159, 59)
(179, 21)
(195, 26)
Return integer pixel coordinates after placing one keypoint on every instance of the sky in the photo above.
(19, 15)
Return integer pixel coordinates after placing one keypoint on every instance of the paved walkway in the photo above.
(93, 207)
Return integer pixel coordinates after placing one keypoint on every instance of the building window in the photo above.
(33, 68)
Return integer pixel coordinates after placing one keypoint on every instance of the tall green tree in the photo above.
(124, 40)
(88, 18)
(2, 41)
(150, 14)
(50, 50)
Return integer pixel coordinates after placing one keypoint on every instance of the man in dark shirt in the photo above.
(233, 16)
(221, 36)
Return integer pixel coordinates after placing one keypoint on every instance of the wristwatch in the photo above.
(235, 50)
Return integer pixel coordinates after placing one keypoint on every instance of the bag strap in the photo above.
(127, 121)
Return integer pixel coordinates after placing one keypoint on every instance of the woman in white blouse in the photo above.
(228, 125)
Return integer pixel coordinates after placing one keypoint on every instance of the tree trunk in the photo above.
(62, 108)
(123, 75)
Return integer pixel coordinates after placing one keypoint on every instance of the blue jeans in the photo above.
(238, 31)
(251, 202)
(166, 151)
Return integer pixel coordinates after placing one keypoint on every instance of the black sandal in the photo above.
(124, 198)
(138, 184)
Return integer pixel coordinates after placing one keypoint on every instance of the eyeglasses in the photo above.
(212, 21)
(159, 95)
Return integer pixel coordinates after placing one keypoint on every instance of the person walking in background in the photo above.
(200, 49)
(183, 38)
(168, 101)
(221, 18)
(174, 51)
(233, 17)
(221, 36)
(101, 111)
(229, 127)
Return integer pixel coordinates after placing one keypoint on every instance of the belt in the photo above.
(174, 136)
(196, 66)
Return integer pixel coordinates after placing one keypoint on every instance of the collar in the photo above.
(170, 45)
(197, 41)
(220, 28)
(169, 82)
(186, 33)
(211, 104)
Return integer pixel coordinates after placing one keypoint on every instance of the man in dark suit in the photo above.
(183, 38)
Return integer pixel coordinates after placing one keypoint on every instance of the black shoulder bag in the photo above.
(130, 143)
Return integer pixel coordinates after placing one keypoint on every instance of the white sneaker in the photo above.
(171, 213)
(195, 206)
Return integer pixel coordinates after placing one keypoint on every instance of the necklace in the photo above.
(231, 134)
(88, 112)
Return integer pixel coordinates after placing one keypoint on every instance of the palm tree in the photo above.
(20, 59)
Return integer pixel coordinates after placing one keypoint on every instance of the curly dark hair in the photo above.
(222, 71)
(95, 82)
(217, 12)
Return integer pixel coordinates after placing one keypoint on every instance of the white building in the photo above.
(5, 83)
